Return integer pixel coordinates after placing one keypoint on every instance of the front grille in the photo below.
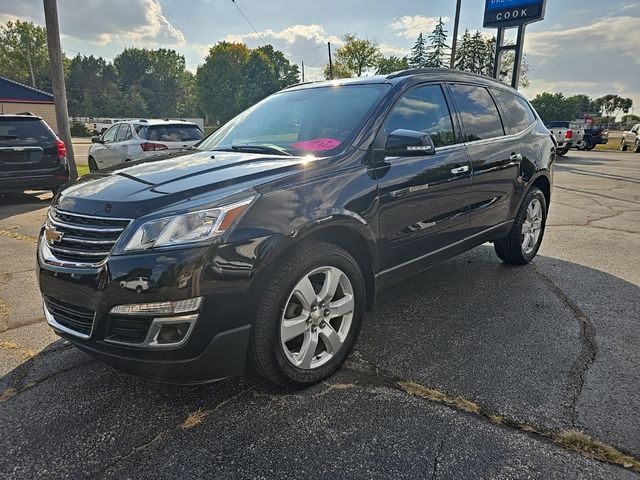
(76, 318)
(84, 238)
(128, 329)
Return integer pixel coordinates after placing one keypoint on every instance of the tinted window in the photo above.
(479, 112)
(110, 135)
(23, 131)
(423, 109)
(516, 109)
(173, 133)
(124, 133)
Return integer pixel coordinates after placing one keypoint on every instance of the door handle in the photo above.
(515, 157)
(458, 170)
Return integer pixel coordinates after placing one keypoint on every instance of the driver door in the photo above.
(424, 199)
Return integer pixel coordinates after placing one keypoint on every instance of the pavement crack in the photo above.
(589, 347)
(436, 460)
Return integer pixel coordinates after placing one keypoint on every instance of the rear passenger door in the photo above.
(495, 157)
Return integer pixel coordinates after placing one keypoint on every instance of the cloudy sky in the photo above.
(582, 46)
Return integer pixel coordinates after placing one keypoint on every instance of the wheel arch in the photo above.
(543, 183)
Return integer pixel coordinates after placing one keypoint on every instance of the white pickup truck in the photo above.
(98, 126)
(631, 138)
(567, 134)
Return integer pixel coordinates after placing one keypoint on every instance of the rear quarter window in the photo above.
(516, 109)
(24, 131)
(479, 113)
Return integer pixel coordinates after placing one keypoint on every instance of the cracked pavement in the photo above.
(545, 348)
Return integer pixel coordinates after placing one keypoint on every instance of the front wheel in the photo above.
(309, 316)
(521, 245)
(623, 146)
(637, 148)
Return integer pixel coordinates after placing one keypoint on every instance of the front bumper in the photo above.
(215, 349)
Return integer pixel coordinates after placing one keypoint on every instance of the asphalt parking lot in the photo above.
(473, 369)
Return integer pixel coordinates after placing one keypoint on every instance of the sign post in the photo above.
(504, 14)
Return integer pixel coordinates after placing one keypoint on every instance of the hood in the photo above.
(150, 186)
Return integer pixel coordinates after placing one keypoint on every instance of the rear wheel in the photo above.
(521, 245)
(309, 316)
(93, 166)
(561, 152)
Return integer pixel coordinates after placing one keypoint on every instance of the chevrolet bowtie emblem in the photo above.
(51, 235)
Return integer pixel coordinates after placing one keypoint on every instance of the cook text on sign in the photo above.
(511, 13)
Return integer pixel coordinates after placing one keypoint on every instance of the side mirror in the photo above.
(409, 143)
(96, 140)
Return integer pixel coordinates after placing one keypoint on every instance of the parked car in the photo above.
(595, 135)
(631, 138)
(290, 218)
(99, 126)
(138, 284)
(567, 134)
(32, 157)
(138, 139)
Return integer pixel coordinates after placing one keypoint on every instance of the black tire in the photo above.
(266, 351)
(138, 289)
(509, 248)
(623, 146)
(591, 146)
(637, 147)
(561, 152)
(93, 166)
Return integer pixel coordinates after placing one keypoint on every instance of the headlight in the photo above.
(187, 228)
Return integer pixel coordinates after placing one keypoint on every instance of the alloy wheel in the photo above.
(317, 317)
(531, 227)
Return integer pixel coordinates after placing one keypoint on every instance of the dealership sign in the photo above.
(511, 13)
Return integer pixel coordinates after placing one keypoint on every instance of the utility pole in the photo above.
(57, 81)
(454, 43)
(330, 62)
(33, 78)
(303, 71)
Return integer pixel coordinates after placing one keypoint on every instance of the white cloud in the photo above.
(139, 22)
(410, 26)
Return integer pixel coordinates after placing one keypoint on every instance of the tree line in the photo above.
(555, 106)
(142, 82)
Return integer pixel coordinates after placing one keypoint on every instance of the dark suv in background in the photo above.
(270, 240)
(32, 157)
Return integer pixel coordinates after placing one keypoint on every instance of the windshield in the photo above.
(319, 120)
(172, 133)
(24, 130)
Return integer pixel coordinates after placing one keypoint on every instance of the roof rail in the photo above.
(26, 113)
(144, 120)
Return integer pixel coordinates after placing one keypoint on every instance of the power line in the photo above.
(306, 51)
(248, 21)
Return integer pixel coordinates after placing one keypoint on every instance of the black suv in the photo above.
(32, 157)
(269, 242)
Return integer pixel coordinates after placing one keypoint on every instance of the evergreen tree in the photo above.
(478, 54)
(463, 52)
(437, 52)
(418, 55)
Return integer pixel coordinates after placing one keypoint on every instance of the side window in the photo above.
(124, 133)
(423, 109)
(478, 111)
(516, 109)
(110, 135)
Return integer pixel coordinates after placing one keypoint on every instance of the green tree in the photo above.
(463, 52)
(478, 54)
(286, 73)
(387, 65)
(23, 54)
(340, 70)
(611, 105)
(579, 105)
(358, 54)
(552, 106)
(437, 52)
(92, 87)
(260, 79)
(418, 54)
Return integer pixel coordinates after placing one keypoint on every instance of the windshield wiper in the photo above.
(269, 149)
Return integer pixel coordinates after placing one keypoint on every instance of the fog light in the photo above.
(159, 308)
(172, 333)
